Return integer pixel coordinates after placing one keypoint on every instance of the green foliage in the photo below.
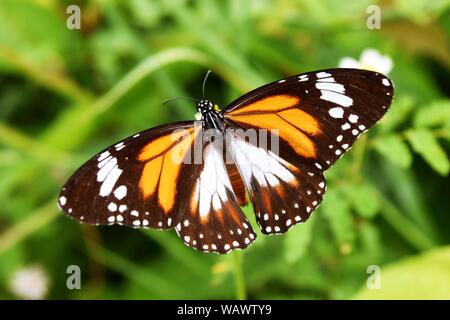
(424, 143)
(424, 276)
(65, 94)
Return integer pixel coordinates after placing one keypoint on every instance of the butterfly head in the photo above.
(204, 106)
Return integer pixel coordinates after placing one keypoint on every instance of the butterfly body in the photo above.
(211, 116)
(269, 147)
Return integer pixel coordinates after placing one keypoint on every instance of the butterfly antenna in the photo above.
(179, 98)
(204, 82)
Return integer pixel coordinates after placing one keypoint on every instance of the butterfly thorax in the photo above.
(212, 117)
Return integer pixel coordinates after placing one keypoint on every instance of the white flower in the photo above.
(30, 283)
(370, 59)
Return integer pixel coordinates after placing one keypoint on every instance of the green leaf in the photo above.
(396, 150)
(424, 143)
(423, 276)
(364, 199)
(337, 210)
(397, 114)
(436, 113)
(297, 241)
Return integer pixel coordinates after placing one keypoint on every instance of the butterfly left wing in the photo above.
(133, 182)
(317, 117)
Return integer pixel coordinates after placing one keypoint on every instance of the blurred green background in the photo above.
(66, 94)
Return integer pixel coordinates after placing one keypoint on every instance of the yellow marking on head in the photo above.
(216, 107)
(268, 104)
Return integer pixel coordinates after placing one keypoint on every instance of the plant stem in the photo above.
(27, 226)
(413, 235)
(239, 280)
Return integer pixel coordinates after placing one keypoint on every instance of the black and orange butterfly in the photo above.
(316, 117)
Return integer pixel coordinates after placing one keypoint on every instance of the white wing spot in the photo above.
(120, 192)
(112, 207)
(62, 200)
(323, 74)
(337, 98)
(353, 118)
(331, 86)
(134, 213)
(336, 112)
(103, 156)
(345, 126)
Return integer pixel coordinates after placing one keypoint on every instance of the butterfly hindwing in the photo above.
(283, 188)
(212, 218)
(132, 182)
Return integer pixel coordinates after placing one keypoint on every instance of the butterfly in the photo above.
(180, 176)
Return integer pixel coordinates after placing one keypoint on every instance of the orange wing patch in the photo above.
(268, 104)
(163, 158)
(279, 112)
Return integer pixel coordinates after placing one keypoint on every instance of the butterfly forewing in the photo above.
(131, 183)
